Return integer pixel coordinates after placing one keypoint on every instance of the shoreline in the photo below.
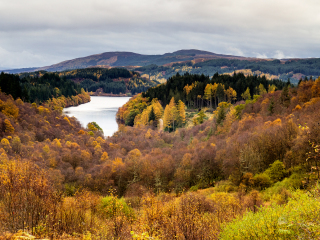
(108, 94)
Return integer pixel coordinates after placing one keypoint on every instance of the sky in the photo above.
(38, 33)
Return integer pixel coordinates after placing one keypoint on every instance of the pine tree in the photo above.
(285, 97)
(271, 107)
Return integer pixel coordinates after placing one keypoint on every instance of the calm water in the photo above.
(101, 110)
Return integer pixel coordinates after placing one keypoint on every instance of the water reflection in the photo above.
(101, 110)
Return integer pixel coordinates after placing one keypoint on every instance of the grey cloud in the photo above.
(43, 32)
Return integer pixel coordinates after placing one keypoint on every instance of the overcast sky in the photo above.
(35, 33)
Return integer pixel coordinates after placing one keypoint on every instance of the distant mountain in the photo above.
(163, 66)
(126, 59)
(19, 70)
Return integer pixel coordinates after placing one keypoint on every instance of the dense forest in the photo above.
(192, 88)
(249, 171)
(292, 69)
(39, 88)
(113, 80)
(198, 92)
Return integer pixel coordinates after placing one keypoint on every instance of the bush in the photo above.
(111, 206)
(279, 191)
(262, 181)
(276, 171)
(299, 219)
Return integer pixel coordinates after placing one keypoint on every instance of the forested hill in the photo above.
(113, 80)
(163, 66)
(293, 69)
(168, 100)
(193, 88)
(38, 88)
(118, 59)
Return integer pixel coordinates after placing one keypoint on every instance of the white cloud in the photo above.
(279, 55)
(261, 55)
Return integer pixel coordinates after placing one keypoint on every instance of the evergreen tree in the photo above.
(271, 107)
(221, 115)
(285, 97)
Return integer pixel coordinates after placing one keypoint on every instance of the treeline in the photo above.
(98, 74)
(114, 80)
(195, 92)
(304, 66)
(283, 69)
(38, 88)
(106, 87)
(191, 89)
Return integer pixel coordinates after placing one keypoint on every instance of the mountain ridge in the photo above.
(124, 58)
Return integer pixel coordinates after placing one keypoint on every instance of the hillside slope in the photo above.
(118, 59)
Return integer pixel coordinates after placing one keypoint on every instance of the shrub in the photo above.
(276, 171)
(262, 181)
(111, 206)
(299, 219)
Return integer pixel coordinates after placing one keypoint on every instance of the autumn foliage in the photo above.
(57, 178)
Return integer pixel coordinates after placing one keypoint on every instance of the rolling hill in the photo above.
(127, 59)
(161, 67)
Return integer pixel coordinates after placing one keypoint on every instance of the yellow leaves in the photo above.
(98, 149)
(42, 110)
(272, 88)
(9, 108)
(91, 127)
(81, 132)
(8, 127)
(246, 95)
(5, 142)
(3, 155)
(68, 144)
(312, 102)
(170, 113)
(148, 134)
(150, 115)
(34, 105)
(276, 122)
(181, 113)
(19, 102)
(230, 118)
(117, 164)
(231, 94)
(100, 140)
(264, 105)
(114, 146)
(67, 120)
(85, 155)
(297, 108)
(134, 154)
(104, 157)
(188, 89)
(262, 90)
(46, 149)
(56, 143)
